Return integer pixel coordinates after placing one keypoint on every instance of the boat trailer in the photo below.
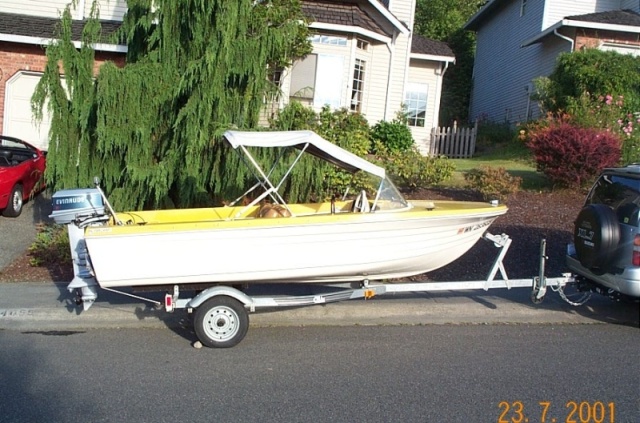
(221, 313)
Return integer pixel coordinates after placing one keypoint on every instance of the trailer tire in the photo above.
(596, 235)
(221, 322)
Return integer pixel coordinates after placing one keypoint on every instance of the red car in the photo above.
(21, 174)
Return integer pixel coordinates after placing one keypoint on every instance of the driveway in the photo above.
(17, 234)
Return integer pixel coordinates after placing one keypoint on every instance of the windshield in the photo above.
(389, 198)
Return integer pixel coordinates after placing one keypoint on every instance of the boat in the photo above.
(371, 236)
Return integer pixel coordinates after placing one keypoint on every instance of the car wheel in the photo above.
(14, 207)
(596, 235)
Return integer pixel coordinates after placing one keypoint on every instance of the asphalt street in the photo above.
(432, 374)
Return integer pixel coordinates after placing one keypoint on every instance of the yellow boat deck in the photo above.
(343, 208)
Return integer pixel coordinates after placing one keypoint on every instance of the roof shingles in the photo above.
(422, 45)
(340, 13)
(46, 28)
(326, 11)
(613, 17)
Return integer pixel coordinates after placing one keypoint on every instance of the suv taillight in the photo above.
(635, 260)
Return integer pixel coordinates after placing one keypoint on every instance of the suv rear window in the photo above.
(615, 190)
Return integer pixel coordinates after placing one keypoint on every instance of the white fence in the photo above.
(453, 142)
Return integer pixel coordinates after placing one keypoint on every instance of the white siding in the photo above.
(503, 70)
(424, 72)
(111, 10)
(48, 8)
(395, 76)
(398, 77)
(403, 10)
(556, 10)
(377, 83)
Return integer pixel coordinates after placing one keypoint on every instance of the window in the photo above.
(329, 81)
(318, 77)
(621, 48)
(415, 103)
(328, 39)
(362, 45)
(303, 77)
(358, 85)
(274, 76)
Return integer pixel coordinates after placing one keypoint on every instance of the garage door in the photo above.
(18, 119)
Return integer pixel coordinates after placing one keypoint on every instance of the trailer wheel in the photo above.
(221, 322)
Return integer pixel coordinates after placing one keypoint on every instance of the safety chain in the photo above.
(560, 290)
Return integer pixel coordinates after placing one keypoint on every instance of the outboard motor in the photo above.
(79, 208)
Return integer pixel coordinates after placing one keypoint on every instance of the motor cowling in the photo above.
(70, 204)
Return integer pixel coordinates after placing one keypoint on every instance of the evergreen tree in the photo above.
(151, 129)
(443, 20)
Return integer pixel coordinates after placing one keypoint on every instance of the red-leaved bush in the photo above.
(572, 156)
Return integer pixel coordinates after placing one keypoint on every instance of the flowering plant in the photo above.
(610, 113)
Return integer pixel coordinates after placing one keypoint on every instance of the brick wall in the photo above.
(15, 57)
(589, 38)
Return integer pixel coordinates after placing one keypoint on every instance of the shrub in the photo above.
(494, 183)
(294, 116)
(492, 134)
(411, 170)
(394, 135)
(610, 113)
(350, 131)
(51, 245)
(591, 71)
(572, 156)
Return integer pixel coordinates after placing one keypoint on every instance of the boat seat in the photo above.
(6, 157)
(273, 210)
(361, 204)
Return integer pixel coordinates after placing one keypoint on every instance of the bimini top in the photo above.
(313, 142)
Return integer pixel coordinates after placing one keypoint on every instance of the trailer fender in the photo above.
(215, 291)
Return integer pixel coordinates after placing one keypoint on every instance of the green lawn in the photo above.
(515, 159)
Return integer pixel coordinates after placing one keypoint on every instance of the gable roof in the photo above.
(353, 16)
(426, 48)
(341, 13)
(613, 17)
(473, 22)
(612, 20)
(39, 30)
(326, 14)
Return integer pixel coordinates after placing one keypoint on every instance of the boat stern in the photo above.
(77, 209)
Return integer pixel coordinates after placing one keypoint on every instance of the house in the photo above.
(519, 40)
(365, 58)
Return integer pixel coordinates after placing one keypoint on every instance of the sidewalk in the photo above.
(47, 306)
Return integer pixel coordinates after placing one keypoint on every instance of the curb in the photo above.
(49, 307)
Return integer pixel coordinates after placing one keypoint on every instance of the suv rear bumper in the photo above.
(627, 282)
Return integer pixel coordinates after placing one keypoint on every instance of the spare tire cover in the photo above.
(596, 235)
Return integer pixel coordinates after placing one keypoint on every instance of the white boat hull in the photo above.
(364, 247)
